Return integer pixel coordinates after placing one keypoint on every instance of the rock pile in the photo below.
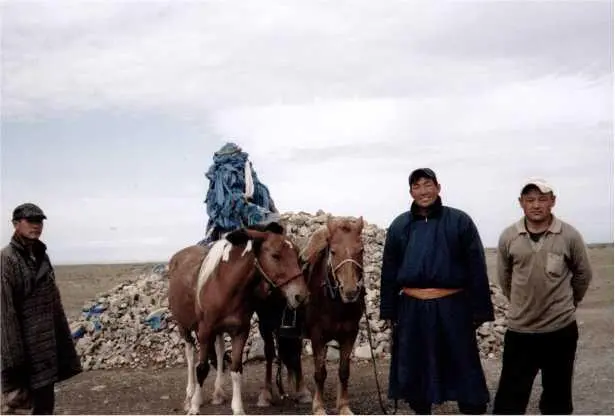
(130, 326)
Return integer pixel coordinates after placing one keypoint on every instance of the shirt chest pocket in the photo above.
(556, 265)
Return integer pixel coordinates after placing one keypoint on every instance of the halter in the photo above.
(333, 287)
(269, 280)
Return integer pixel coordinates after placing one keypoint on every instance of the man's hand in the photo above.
(18, 399)
(390, 323)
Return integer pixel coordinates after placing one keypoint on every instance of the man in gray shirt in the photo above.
(544, 271)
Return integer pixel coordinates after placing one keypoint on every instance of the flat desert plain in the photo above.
(162, 391)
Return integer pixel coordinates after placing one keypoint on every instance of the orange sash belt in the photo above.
(429, 293)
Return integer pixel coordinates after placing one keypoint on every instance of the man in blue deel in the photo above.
(435, 293)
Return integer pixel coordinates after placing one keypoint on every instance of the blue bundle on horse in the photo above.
(235, 198)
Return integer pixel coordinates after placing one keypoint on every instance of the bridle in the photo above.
(335, 285)
(269, 280)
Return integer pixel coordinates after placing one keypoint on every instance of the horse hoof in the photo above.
(187, 405)
(264, 399)
(346, 411)
(193, 411)
(219, 397)
(320, 411)
(304, 397)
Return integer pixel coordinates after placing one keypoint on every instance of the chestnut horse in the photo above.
(211, 291)
(333, 266)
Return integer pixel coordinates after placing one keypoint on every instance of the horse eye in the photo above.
(333, 252)
(276, 256)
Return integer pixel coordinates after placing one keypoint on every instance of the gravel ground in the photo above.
(162, 392)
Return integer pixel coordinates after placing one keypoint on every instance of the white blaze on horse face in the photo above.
(237, 402)
(210, 262)
(248, 248)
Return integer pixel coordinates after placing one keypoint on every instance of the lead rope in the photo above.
(371, 350)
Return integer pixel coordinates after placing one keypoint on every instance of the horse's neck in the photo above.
(237, 274)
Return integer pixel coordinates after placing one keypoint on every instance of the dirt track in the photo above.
(162, 392)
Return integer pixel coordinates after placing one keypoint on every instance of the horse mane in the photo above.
(318, 241)
(220, 250)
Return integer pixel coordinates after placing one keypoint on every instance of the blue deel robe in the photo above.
(435, 356)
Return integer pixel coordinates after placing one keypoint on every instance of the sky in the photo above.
(111, 112)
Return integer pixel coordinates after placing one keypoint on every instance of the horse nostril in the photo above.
(351, 294)
(298, 298)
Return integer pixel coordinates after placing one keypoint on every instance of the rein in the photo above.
(371, 350)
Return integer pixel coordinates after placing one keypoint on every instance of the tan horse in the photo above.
(333, 267)
(212, 292)
(337, 301)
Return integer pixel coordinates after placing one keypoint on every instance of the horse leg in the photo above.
(303, 393)
(319, 348)
(189, 350)
(237, 345)
(219, 396)
(290, 350)
(202, 369)
(265, 397)
(344, 374)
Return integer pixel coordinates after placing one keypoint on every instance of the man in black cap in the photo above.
(37, 346)
(435, 293)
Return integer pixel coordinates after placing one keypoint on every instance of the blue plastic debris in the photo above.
(156, 319)
(77, 330)
(97, 325)
(159, 268)
(94, 310)
(92, 315)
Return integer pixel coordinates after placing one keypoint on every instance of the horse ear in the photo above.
(238, 237)
(331, 224)
(256, 235)
(257, 238)
(275, 228)
(361, 222)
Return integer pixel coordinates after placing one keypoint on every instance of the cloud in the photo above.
(118, 107)
(206, 55)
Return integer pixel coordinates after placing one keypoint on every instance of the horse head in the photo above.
(342, 239)
(346, 256)
(276, 260)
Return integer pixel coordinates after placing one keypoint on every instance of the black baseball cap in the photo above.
(422, 173)
(28, 211)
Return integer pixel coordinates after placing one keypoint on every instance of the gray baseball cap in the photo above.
(28, 211)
